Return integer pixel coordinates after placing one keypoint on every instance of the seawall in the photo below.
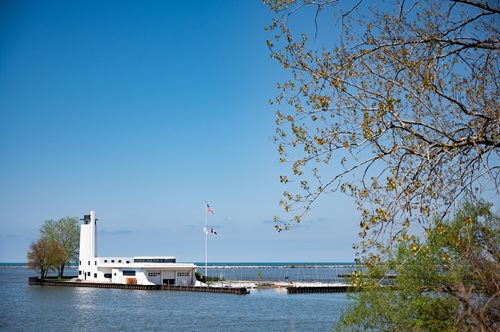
(221, 290)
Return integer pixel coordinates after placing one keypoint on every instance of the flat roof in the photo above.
(154, 257)
(136, 257)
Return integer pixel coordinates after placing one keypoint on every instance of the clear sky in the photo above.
(142, 111)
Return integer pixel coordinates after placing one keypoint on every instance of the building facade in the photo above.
(150, 270)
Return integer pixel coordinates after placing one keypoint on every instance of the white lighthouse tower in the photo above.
(88, 251)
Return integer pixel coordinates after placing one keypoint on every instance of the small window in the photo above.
(88, 274)
(115, 274)
(80, 263)
(107, 275)
(128, 262)
(79, 273)
(119, 261)
(95, 275)
(89, 262)
(95, 263)
(112, 261)
(105, 261)
(128, 273)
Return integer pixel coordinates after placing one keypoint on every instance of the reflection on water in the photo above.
(30, 308)
(84, 305)
(85, 298)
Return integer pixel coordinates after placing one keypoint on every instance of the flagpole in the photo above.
(206, 240)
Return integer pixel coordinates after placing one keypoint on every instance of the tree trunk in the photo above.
(61, 270)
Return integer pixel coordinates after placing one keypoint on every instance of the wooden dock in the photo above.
(317, 289)
(57, 283)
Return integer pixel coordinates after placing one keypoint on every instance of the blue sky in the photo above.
(142, 111)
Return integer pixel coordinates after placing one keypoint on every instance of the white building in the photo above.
(127, 270)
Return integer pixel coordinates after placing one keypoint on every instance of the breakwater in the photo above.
(309, 273)
(280, 266)
(318, 289)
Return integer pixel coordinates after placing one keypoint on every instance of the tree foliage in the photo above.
(394, 103)
(450, 281)
(44, 255)
(65, 233)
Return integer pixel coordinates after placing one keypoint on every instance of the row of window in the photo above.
(154, 260)
(119, 261)
(88, 274)
(140, 260)
(95, 262)
(183, 274)
(105, 261)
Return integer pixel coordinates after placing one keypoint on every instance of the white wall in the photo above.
(143, 277)
(119, 278)
(87, 268)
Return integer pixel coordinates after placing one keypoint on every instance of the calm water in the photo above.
(30, 308)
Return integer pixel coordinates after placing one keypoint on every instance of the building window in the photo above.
(115, 274)
(105, 261)
(95, 263)
(119, 261)
(88, 274)
(128, 273)
(128, 262)
(183, 274)
(80, 263)
(95, 275)
(89, 262)
(112, 261)
(79, 273)
(107, 275)
(154, 274)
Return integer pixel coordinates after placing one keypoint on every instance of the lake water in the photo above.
(44, 308)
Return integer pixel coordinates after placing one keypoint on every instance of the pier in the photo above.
(57, 283)
(318, 289)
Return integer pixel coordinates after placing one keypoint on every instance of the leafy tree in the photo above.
(44, 255)
(450, 281)
(394, 103)
(66, 233)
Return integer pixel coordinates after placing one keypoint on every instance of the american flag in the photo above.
(209, 209)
